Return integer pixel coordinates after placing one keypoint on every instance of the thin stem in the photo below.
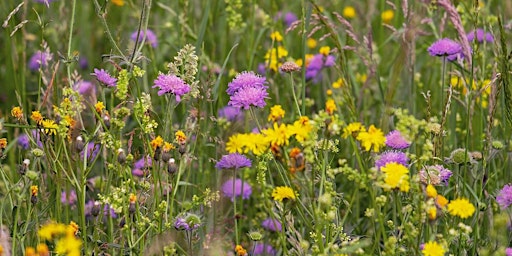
(70, 40)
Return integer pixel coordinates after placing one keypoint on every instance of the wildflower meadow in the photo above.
(230, 127)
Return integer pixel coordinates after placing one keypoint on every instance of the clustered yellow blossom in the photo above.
(373, 138)
(41, 250)
(396, 176)
(353, 130)
(66, 243)
(337, 84)
(157, 142)
(240, 251)
(324, 50)
(3, 143)
(17, 113)
(461, 207)
(283, 193)
(432, 248)
(180, 137)
(99, 107)
(274, 56)
(431, 191)
(34, 190)
(276, 113)
(276, 36)
(50, 127)
(330, 106)
(36, 117)
(483, 88)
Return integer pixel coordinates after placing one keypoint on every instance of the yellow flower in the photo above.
(17, 113)
(279, 135)
(68, 245)
(353, 129)
(33, 190)
(276, 113)
(329, 92)
(133, 198)
(432, 248)
(461, 207)
(273, 56)
(236, 143)
(431, 191)
(387, 16)
(157, 142)
(349, 12)
(441, 201)
(257, 143)
(168, 147)
(3, 143)
(73, 228)
(51, 230)
(240, 251)
(36, 117)
(301, 129)
(29, 251)
(50, 127)
(299, 62)
(180, 136)
(337, 84)
(396, 176)
(324, 50)
(99, 107)
(311, 43)
(432, 212)
(118, 2)
(42, 249)
(330, 106)
(361, 78)
(282, 193)
(276, 36)
(374, 137)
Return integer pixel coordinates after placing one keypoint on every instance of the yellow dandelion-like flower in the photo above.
(99, 106)
(240, 251)
(51, 230)
(36, 117)
(73, 228)
(279, 135)
(353, 130)
(276, 113)
(337, 84)
(34, 190)
(180, 137)
(299, 62)
(236, 143)
(396, 176)
(282, 193)
(311, 43)
(432, 248)
(68, 245)
(441, 201)
(167, 147)
(349, 12)
(157, 142)
(17, 113)
(432, 212)
(373, 138)
(387, 16)
(324, 50)
(431, 191)
(29, 251)
(118, 2)
(133, 198)
(3, 143)
(330, 106)
(257, 143)
(42, 249)
(50, 127)
(461, 207)
(276, 36)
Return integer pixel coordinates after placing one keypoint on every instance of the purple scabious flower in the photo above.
(241, 189)
(391, 156)
(395, 140)
(23, 141)
(104, 77)
(289, 18)
(141, 165)
(92, 151)
(264, 249)
(39, 60)
(245, 79)
(171, 84)
(85, 88)
(435, 174)
(233, 161)
(316, 64)
(150, 37)
(249, 96)
(504, 197)
(68, 198)
(480, 35)
(271, 224)
(508, 251)
(230, 113)
(445, 47)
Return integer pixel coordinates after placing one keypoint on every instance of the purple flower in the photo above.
(85, 88)
(83, 63)
(271, 224)
(181, 224)
(480, 36)
(289, 18)
(104, 77)
(188, 222)
(171, 84)
(233, 161)
(39, 60)
(316, 64)
(68, 198)
(249, 96)
(241, 188)
(23, 141)
(264, 249)
(231, 114)
(150, 37)
(508, 251)
(245, 79)
(395, 140)
(92, 151)
(444, 47)
(261, 69)
(504, 197)
(141, 165)
(391, 156)
(109, 211)
(435, 174)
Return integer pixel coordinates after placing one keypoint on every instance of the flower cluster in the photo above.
(247, 89)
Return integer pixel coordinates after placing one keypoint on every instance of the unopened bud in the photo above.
(121, 156)
(171, 166)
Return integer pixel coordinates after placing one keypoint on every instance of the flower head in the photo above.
(92, 151)
(171, 84)
(233, 161)
(276, 113)
(230, 113)
(353, 130)
(150, 37)
(391, 157)
(445, 47)
(283, 193)
(264, 249)
(373, 138)
(245, 79)
(395, 140)
(396, 176)
(17, 113)
(271, 224)
(504, 197)
(85, 87)
(241, 189)
(480, 35)
(432, 248)
(278, 135)
(68, 198)
(435, 174)
(349, 12)
(461, 207)
(249, 96)
(39, 60)
(104, 77)
(387, 16)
